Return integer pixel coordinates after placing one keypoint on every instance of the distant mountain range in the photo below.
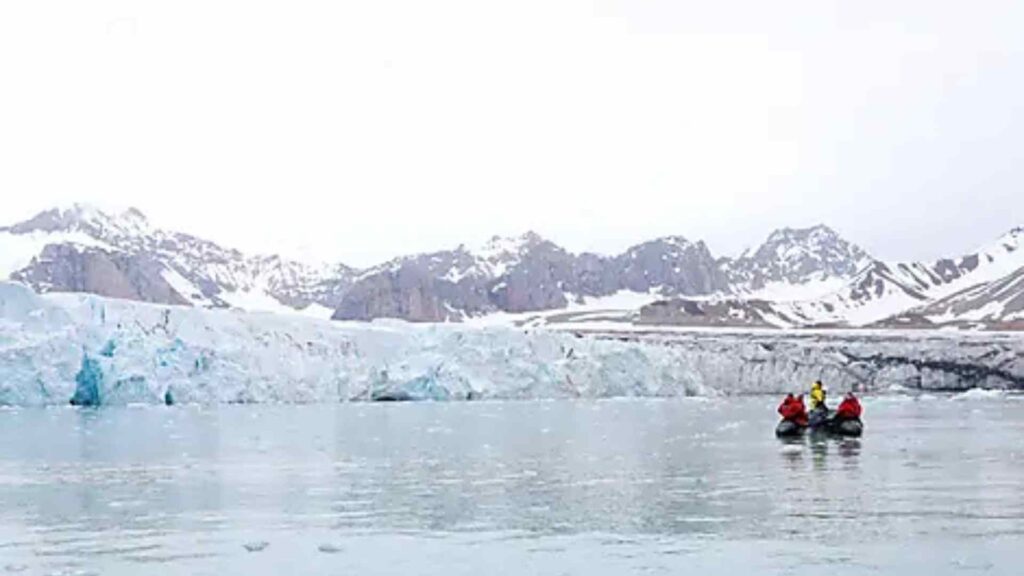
(798, 278)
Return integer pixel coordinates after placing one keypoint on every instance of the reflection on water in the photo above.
(794, 450)
(534, 487)
(849, 448)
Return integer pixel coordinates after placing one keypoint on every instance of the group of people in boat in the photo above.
(794, 410)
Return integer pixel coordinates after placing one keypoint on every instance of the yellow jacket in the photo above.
(817, 395)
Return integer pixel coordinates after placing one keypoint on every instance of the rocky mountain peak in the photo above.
(797, 256)
(819, 230)
(794, 243)
(680, 242)
(87, 219)
(498, 246)
(670, 265)
(502, 253)
(668, 247)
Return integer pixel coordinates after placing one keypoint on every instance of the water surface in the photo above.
(936, 486)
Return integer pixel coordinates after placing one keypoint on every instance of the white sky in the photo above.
(361, 130)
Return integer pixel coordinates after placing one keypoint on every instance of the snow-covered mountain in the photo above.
(883, 291)
(525, 274)
(985, 289)
(83, 249)
(796, 264)
(982, 289)
(808, 277)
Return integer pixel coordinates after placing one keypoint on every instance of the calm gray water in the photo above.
(613, 487)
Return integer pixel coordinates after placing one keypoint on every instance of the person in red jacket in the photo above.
(793, 409)
(849, 408)
(785, 409)
(801, 411)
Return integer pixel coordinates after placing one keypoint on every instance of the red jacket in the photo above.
(849, 409)
(793, 409)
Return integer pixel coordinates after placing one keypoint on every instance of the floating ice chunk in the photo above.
(330, 549)
(256, 546)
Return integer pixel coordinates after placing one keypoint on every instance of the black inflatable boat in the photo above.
(821, 421)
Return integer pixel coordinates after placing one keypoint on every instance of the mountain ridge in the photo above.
(798, 277)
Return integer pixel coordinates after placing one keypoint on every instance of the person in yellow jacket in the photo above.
(817, 394)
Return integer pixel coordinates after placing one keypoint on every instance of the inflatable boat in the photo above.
(821, 422)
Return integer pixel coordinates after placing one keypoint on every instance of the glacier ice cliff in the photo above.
(91, 351)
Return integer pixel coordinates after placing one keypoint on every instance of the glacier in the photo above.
(92, 351)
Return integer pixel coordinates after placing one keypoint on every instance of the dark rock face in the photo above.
(532, 274)
(433, 287)
(539, 281)
(527, 274)
(412, 294)
(596, 275)
(408, 293)
(708, 313)
(680, 266)
(66, 268)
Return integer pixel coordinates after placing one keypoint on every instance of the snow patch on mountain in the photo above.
(256, 301)
(317, 312)
(844, 309)
(811, 289)
(620, 300)
(184, 288)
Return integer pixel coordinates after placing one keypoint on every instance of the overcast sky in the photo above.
(361, 130)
